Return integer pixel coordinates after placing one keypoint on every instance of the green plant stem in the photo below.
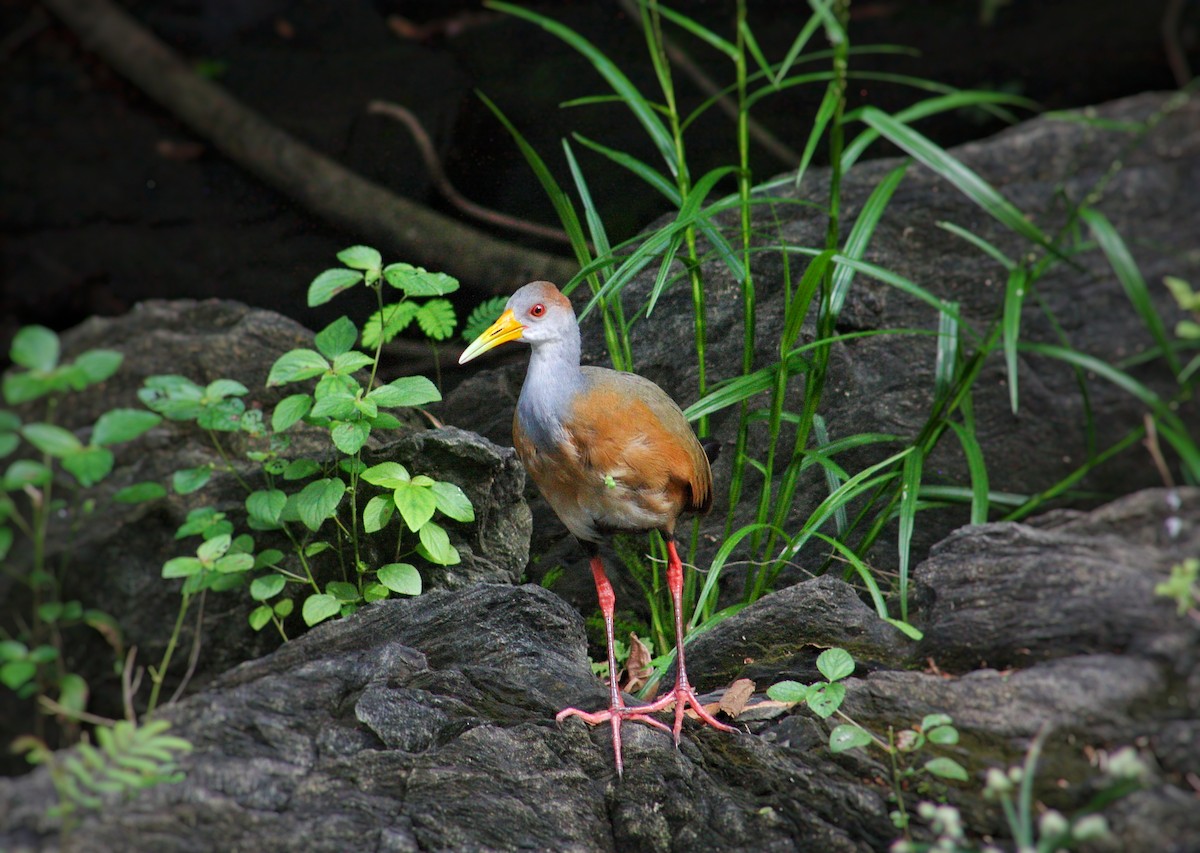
(229, 466)
(893, 757)
(157, 677)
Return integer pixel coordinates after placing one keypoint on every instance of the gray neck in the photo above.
(551, 383)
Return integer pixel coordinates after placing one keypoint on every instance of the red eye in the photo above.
(537, 310)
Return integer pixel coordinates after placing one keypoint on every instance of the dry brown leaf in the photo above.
(736, 697)
(637, 666)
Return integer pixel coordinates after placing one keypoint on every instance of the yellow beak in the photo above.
(502, 331)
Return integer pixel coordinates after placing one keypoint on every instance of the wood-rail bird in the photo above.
(611, 453)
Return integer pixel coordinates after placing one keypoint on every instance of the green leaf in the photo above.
(342, 591)
(337, 338)
(348, 362)
(266, 505)
(792, 692)
(416, 281)
(909, 630)
(298, 469)
(436, 319)
(99, 364)
(416, 504)
(50, 439)
(388, 475)
(930, 721)
(947, 768)
(73, 692)
(214, 547)
(23, 387)
(267, 557)
(823, 699)
(283, 608)
(189, 480)
(260, 616)
(15, 673)
(375, 592)
(453, 501)
(289, 410)
(400, 578)
(333, 401)
(350, 436)
(378, 513)
(318, 607)
(318, 501)
(435, 545)
(367, 408)
(6, 540)
(360, 258)
(944, 735)
(140, 493)
(8, 443)
(405, 391)
(13, 650)
(296, 365)
(329, 284)
(846, 737)
(176, 398)
(388, 322)
(25, 472)
(36, 348)
(222, 415)
(89, 465)
(268, 586)
(219, 389)
(181, 567)
(123, 425)
(835, 664)
(482, 316)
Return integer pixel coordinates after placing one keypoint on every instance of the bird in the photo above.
(611, 452)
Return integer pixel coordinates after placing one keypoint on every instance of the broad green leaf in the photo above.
(375, 592)
(416, 504)
(22, 387)
(947, 768)
(16, 673)
(189, 480)
(89, 465)
(835, 664)
(141, 492)
(416, 281)
(260, 617)
(176, 398)
(267, 557)
(181, 567)
(25, 472)
(348, 362)
(284, 607)
(268, 586)
(120, 425)
(50, 439)
(335, 402)
(823, 699)
(342, 591)
(219, 389)
(377, 513)
(367, 408)
(318, 607)
(211, 549)
(234, 564)
(8, 443)
(388, 475)
(266, 505)
(384, 421)
(350, 436)
(296, 365)
(99, 364)
(337, 338)
(435, 545)
(318, 501)
(400, 578)
(846, 737)
(36, 348)
(289, 410)
(453, 501)
(360, 258)
(436, 319)
(329, 284)
(13, 650)
(944, 735)
(222, 415)
(298, 469)
(788, 691)
(931, 721)
(405, 391)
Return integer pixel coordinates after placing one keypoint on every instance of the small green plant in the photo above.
(1187, 331)
(1183, 587)
(824, 698)
(322, 506)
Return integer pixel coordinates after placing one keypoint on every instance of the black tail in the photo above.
(712, 449)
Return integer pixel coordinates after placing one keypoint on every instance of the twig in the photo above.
(1150, 442)
(1177, 59)
(322, 186)
(79, 716)
(127, 687)
(194, 655)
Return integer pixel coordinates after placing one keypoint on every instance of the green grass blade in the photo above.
(978, 470)
(980, 244)
(968, 182)
(910, 490)
(801, 301)
(1014, 298)
(861, 233)
(647, 173)
(1131, 279)
(711, 588)
(797, 47)
(862, 570)
(1185, 447)
(699, 31)
(834, 476)
(829, 105)
(946, 361)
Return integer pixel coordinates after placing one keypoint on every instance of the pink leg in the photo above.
(617, 711)
(683, 695)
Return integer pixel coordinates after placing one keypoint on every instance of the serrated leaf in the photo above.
(435, 545)
(140, 493)
(36, 348)
(181, 567)
(296, 365)
(360, 258)
(336, 403)
(120, 425)
(846, 737)
(417, 281)
(405, 391)
(337, 338)
(289, 410)
(835, 664)
(318, 501)
(260, 616)
(436, 319)
(268, 586)
(453, 501)
(329, 284)
(266, 505)
(388, 322)
(350, 436)
(222, 415)
(377, 513)
(25, 472)
(318, 607)
(824, 699)
(90, 465)
(482, 316)
(50, 439)
(947, 768)
(401, 578)
(348, 362)
(189, 480)
(416, 504)
(387, 475)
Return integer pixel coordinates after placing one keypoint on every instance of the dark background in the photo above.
(105, 199)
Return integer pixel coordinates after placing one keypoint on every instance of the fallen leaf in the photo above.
(736, 697)
(637, 666)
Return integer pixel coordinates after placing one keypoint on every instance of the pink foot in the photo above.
(615, 715)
